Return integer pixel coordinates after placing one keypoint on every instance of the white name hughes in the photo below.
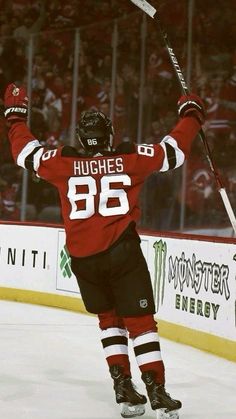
(101, 166)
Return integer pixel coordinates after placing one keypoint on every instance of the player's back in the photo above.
(99, 194)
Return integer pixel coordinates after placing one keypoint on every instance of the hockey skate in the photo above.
(160, 400)
(131, 402)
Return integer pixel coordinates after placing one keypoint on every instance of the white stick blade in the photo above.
(145, 7)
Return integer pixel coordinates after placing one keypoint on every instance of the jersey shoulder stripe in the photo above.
(30, 148)
(32, 161)
(173, 155)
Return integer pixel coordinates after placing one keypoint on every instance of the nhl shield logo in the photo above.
(143, 303)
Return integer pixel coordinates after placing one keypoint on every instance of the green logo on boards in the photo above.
(65, 263)
(159, 272)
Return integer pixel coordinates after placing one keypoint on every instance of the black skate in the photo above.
(131, 402)
(160, 400)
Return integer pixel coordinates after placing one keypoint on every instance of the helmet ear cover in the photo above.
(95, 131)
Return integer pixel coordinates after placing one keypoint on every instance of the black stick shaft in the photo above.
(184, 89)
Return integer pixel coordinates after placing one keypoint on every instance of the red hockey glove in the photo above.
(192, 105)
(15, 103)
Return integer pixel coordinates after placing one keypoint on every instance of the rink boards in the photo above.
(194, 281)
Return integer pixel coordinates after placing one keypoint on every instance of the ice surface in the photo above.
(52, 367)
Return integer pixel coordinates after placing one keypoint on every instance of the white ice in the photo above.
(52, 367)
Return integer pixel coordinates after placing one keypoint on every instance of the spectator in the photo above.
(32, 23)
(53, 104)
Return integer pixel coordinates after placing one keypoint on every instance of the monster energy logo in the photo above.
(65, 263)
(159, 272)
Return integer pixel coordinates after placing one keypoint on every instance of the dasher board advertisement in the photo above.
(27, 257)
(66, 280)
(194, 283)
(35, 258)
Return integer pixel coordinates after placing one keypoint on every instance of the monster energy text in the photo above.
(196, 306)
(195, 274)
(189, 274)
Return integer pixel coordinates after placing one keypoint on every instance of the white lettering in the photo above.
(177, 68)
(48, 154)
(93, 167)
(77, 168)
(146, 150)
(100, 166)
(21, 110)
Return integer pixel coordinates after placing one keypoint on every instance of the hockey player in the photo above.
(99, 189)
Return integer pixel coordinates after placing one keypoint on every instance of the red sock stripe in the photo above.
(140, 324)
(158, 367)
(122, 360)
(110, 319)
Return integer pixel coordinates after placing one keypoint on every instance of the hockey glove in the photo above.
(15, 103)
(192, 105)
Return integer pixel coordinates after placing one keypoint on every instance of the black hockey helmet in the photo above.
(95, 132)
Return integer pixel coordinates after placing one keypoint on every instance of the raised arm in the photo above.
(177, 144)
(26, 150)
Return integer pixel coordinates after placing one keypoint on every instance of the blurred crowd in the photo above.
(212, 71)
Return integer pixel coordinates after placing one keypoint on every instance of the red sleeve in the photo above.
(19, 136)
(172, 151)
(185, 132)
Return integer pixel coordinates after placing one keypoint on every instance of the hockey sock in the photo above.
(114, 338)
(145, 339)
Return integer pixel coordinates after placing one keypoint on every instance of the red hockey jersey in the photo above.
(99, 195)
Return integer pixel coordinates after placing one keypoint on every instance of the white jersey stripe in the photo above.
(179, 155)
(36, 158)
(26, 151)
(165, 165)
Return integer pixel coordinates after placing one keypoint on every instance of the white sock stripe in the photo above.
(113, 331)
(179, 155)
(116, 350)
(145, 338)
(26, 151)
(148, 358)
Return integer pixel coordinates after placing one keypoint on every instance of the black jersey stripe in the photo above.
(29, 161)
(171, 155)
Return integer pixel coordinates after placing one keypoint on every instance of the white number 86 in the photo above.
(89, 197)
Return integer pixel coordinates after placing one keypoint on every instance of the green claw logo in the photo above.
(159, 272)
(65, 263)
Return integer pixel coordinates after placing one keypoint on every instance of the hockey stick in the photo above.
(151, 11)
